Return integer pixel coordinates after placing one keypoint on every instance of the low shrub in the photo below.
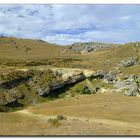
(54, 122)
(61, 117)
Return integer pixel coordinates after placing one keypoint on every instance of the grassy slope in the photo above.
(100, 106)
(112, 107)
(13, 50)
(109, 58)
(103, 106)
(16, 48)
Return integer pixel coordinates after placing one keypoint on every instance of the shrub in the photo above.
(61, 117)
(54, 122)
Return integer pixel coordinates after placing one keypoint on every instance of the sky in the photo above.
(66, 24)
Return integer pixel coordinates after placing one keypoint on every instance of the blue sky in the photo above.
(66, 24)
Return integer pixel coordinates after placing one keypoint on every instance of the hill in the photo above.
(11, 47)
(94, 85)
(18, 50)
(27, 52)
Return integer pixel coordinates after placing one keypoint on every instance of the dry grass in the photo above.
(92, 107)
(114, 107)
(43, 53)
(103, 106)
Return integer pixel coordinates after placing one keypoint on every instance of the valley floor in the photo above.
(99, 114)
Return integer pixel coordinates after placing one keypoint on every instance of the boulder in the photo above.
(130, 62)
(110, 77)
(86, 90)
(130, 86)
(131, 92)
(120, 85)
(99, 74)
(96, 89)
(88, 73)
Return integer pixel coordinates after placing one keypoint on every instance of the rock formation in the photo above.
(14, 85)
(90, 46)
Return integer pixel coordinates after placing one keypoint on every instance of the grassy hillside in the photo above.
(109, 58)
(14, 51)
(26, 48)
(99, 114)
(27, 52)
(26, 81)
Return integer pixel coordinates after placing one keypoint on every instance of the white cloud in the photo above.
(65, 24)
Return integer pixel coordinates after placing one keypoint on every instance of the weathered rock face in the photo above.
(66, 77)
(42, 81)
(9, 83)
(90, 46)
(129, 85)
(110, 77)
(99, 74)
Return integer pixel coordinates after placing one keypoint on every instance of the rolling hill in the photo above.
(27, 52)
(49, 82)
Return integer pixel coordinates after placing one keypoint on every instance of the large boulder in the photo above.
(129, 85)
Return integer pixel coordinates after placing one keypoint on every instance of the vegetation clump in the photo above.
(16, 74)
(61, 117)
(55, 122)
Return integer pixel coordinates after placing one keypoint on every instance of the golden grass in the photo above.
(101, 106)
(112, 107)
(42, 52)
(104, 106)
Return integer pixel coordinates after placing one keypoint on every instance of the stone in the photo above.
(110, 77)
(86, 90)
(99, 74)
(96, 89)
(130, 86)
(131, 93)
(120, 85)
(130, 62)
(84, 47)
(64, 77)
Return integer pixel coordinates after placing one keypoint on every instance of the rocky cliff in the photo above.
(20, 83)
(24, 87)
